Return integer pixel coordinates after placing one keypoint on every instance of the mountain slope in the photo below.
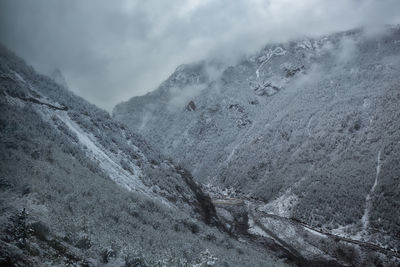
(78, 188)
(309, 127)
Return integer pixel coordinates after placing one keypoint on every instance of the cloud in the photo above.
(347, 49)
(110, 51)
(180, 97)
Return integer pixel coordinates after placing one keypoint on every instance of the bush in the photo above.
(135, 261)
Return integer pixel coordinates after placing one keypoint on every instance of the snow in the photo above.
(226, 215)
(135, 148)
(308, 126)
(232, 153)
(304, 45)
(14, 101)
(368, 199)
(107, 160)
(239, 141)
(289, 234)
(278, 51)
(284, 204)
(315, 232)
(109, 166)
(258, 72)
(366, 103)
(347, 231)
(256, 230)
(42, 99)
(21, 79)
(281, 206)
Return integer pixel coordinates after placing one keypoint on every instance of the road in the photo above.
(293, 248)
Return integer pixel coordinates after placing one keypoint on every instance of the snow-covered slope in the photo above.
(78, 188)
(298, 125)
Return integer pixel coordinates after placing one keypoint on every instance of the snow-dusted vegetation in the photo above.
(191, 133)
(298, 125)
(80, 189)
(298, 146)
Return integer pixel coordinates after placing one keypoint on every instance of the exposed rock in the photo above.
(191, 106)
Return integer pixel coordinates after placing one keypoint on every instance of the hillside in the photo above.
(310, 128)
(78, 188)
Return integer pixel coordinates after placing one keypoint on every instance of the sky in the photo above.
(110, 51)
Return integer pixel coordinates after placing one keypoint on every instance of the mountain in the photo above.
(78, 188)
(309, 130)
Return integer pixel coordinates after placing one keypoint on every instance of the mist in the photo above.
(110, 51)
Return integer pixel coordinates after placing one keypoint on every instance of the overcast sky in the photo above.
(110, 51)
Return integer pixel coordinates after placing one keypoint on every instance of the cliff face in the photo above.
(304, 125)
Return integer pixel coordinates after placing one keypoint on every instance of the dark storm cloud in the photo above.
(112, 50)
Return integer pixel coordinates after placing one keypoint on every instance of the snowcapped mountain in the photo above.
(295, 151)
(311, 128)
(79, 188)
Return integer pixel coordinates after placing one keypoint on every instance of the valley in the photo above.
(304, 244)
(287, 157)
(307, 131)
(80, 189)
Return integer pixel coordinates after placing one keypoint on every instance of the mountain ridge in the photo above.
(298, 124)
(79, 188)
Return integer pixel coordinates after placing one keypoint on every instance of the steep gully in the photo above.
(368, 199)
